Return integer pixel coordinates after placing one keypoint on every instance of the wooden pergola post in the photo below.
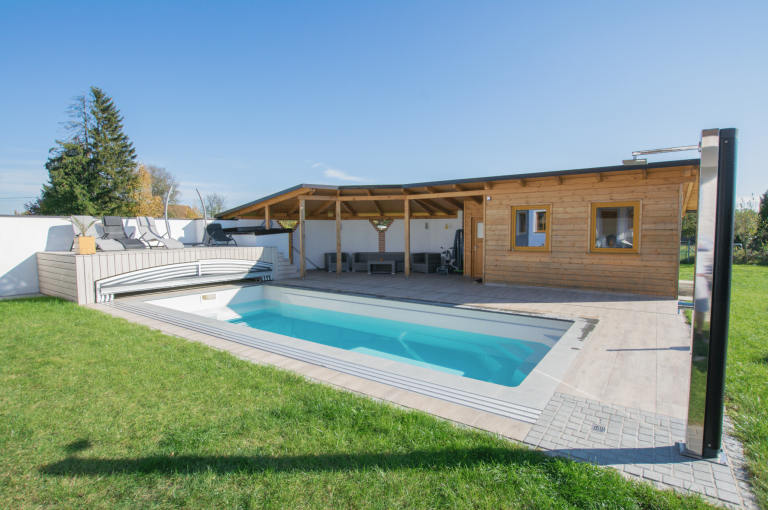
(267, 220)
(302, 238)
(338, 239)
(407, 216)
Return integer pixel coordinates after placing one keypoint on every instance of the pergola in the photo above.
(380, 202)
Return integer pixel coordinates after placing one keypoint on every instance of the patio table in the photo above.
(381, 267)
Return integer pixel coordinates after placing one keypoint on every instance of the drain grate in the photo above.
(598, 428)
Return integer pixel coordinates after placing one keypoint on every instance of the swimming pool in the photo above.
(494, 359)
(509, 364)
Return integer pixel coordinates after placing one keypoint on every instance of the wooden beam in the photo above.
(688, 194)
(424, 206)
(338, 239)
(295, 207)
(599, 177)
(261, 205)
(439, 207)
(322, 208)
(521, 183)
(267, 218)
(349, 208)
(375, 202)
(303, 237)
(643, 173)
(455, 203)
(461, 189)
(488, 185)
(558, 180)
(407, 218)
(431, 190)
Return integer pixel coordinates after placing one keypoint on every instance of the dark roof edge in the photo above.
(579, 171)
(603, 169)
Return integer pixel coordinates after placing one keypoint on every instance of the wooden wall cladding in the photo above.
(654, 270)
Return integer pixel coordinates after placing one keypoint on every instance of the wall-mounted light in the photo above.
(488, 198)
(446, 225)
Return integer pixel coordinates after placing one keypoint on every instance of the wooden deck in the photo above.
(73, 277)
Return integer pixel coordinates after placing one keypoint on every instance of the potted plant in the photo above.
(84, 245)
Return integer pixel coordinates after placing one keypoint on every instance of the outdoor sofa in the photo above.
(330, 262)
(425, 262)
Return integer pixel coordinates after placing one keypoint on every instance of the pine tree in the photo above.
(113, 157)
(92, 171)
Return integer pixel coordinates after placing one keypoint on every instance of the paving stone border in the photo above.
(641, 445)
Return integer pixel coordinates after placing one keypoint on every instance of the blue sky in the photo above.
(248, 98)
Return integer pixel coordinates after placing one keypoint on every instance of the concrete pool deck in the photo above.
(630, 376)
(638, 355)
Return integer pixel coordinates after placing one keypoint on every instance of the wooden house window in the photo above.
(615, 227)
(530, 228)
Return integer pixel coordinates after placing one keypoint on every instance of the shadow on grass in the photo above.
(77, 446)
(190, 464)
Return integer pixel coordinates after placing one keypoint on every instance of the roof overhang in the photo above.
(438, 199)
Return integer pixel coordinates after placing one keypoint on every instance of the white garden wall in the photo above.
(24, 236)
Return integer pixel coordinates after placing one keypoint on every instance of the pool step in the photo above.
(465, 398)
(285, 269)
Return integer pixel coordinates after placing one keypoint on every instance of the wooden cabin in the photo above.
(606, 229)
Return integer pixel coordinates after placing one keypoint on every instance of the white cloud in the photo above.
(316, 165)
(342, 176)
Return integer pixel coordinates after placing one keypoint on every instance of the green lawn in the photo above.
(96, 412)
(687, 271)
(747, 378)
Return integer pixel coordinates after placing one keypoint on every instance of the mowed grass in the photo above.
(687, 271)
(747, 376)
(96, 412)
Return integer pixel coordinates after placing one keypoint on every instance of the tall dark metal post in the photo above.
(721, 293)
(712, 292)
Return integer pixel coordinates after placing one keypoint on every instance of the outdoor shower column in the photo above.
(407, 216)
(712, 292)
(338, 238)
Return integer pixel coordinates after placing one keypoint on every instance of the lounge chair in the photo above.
(216, 235)
(90, 230)
(148, 233)
(113, 229)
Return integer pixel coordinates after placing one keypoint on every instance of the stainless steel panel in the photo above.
(702, 290)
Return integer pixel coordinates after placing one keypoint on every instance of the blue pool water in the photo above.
(493, 359)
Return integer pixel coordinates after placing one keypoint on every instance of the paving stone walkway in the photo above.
(643, 445)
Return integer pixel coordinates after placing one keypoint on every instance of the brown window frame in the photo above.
(594, 206)
(547, 208)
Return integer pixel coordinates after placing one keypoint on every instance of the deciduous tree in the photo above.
(162, 181)
(215, 203)
(745, 225)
